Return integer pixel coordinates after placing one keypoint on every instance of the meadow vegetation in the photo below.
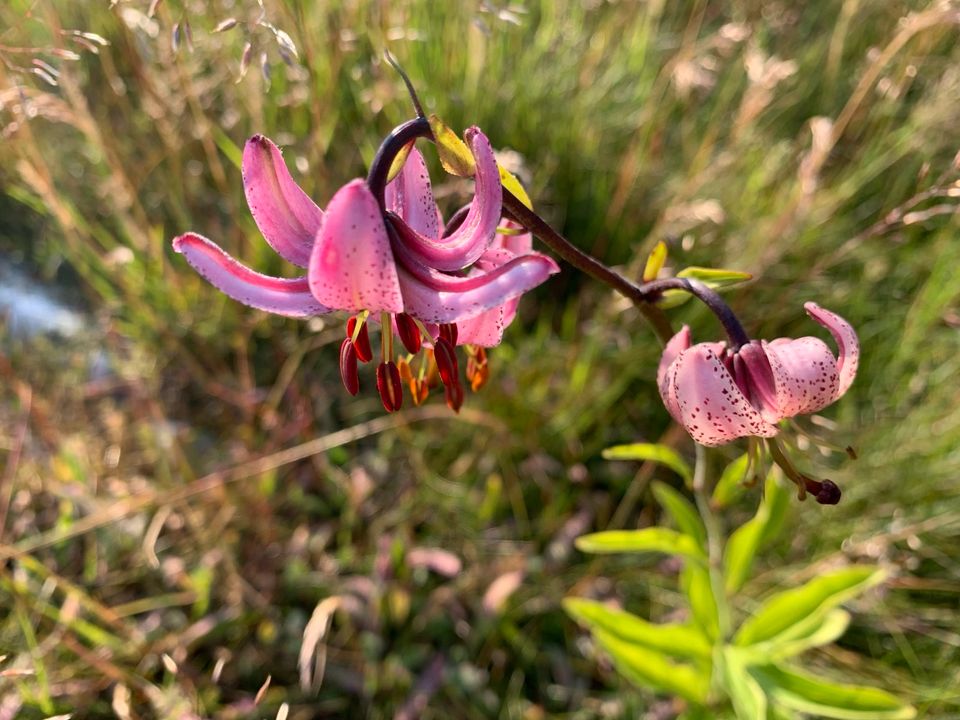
(197, 521)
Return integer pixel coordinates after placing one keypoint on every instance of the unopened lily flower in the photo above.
(385, 259)
(719, 394)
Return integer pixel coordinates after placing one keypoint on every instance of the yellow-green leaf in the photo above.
(510, 182)
(455, 156)
(655, 261)
(397, 165)
(747, 539)
(651, 669)
(731, 482)
(654, 452)
(818, 596)
(674, 639)
(682, 511)
(642, 541)
(714, 276)
(819, 697)
(696, 586)
(749, 700)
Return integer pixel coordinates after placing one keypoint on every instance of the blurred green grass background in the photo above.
(185, 484)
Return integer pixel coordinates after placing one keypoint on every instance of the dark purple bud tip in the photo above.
(828, 494)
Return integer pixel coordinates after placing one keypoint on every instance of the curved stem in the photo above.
(643, 296)
(391, 146)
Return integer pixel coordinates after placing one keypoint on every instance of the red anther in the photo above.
(409, 333)
(454, 395)
(348, 367)
(389, 386)
(824, 492)
(446, 358)
(448, 331)
(362, 344)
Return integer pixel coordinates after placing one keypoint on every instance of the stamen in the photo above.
(449, 332)
(358, 335)
(389, 386)
(409, 333)
(348, 366)
(446, 358)
(454, 395)
(386, 337)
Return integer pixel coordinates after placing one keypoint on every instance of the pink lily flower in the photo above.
(718, 394)
(362, 261)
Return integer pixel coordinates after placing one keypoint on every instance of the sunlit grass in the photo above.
(128, 537)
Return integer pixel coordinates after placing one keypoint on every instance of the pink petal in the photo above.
(486, 329)
(469, 241)
(754, 367)
(286, 216)
(282, 296)
(712, 408)
(433, 296)
(667, 370)
(805, 374)
(847, 341)
(352, 267)
(410, 196)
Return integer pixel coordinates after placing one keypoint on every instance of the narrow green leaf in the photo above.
(455, 156)
(228, 147)
(731, 482)
(651, 669)
(747, 539)
(816, 597)
(510, 182)
(457, 159)
(711, 277)
(682, 511)
(674, 639)
(820, 697)
(749, 700)
(655, 261)
(815, 631)
(397, 165)
(653, 452)
(696, 586)
(642, 541)
(717, 277)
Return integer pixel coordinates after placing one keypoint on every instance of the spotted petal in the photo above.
(283, 296)
(667, 369)
(468, 242)
(286, 216)
(352, 267)
(434, 296)
(847, 341)
(410, 196)
(486, 329)
(711, 406)
(805, 374)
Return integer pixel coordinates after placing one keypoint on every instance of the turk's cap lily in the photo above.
(718, 394)
(389, 259)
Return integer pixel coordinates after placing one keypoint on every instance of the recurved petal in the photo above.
(711, 406)
(283, 296)
(286, 216)
(352, 267)
(666, 371)
(486, 329)
(410, 196)
(805, 374)
(468, 242)
(433, 296)
(847, 341)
